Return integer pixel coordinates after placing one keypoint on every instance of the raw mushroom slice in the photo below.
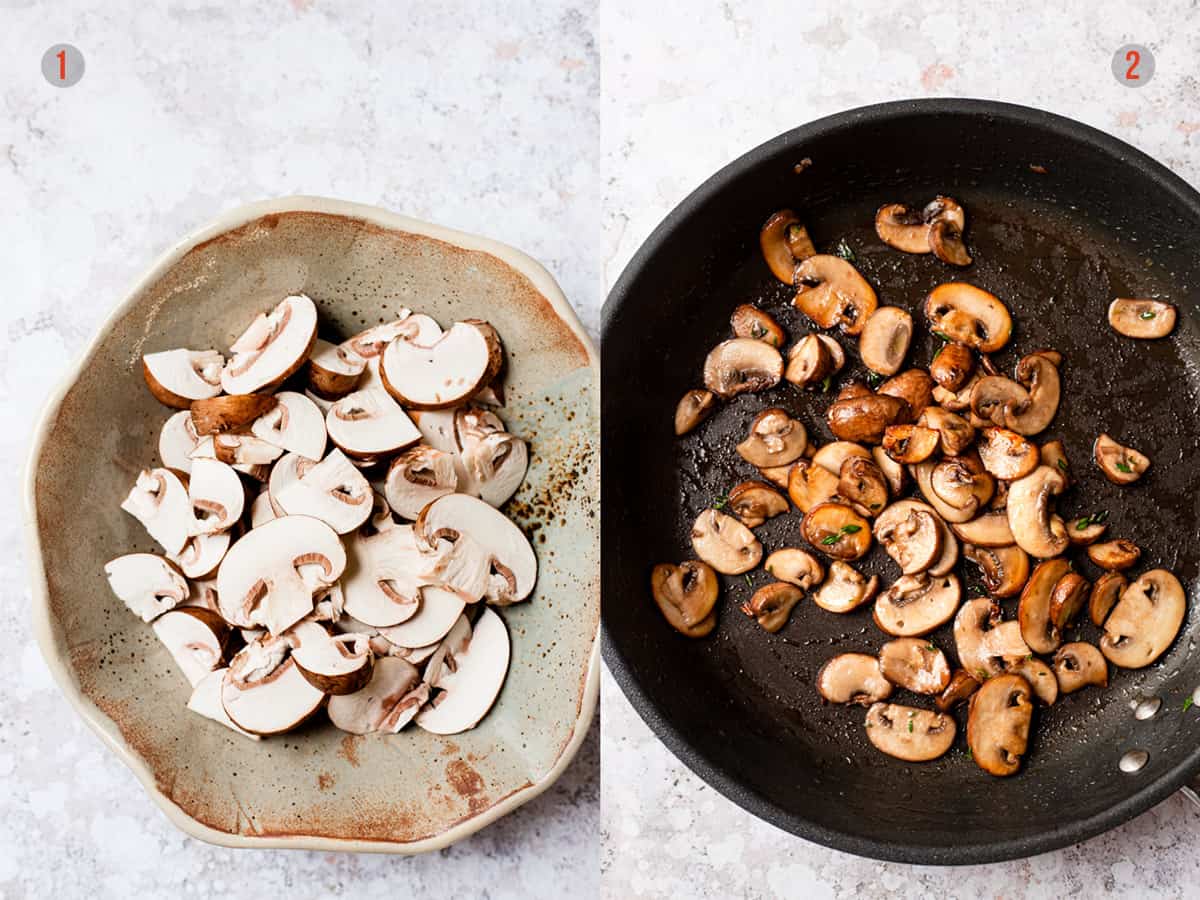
(244, 450)
(686, 595)
(439, 609)
(274, 346)
(852, 678)
(261, 510)
(370, 423)
(908, 733)
(845, 589)
(1145, 621)
(830, 291)
(917, 604)
(217, 496)
(1006, 454)
(159, 500)
(264, 692)
(1142, 319)
(810, 485)
(725, 543)
(177, 377)
(387, 703)
(988, 530)
(1037, 628)
(332, 490)
(333, 371)
(417, 477)
(202, 554)
(295, 425)
(795, 566)
(968, 315)
(206, 701)
(1004, 570)
(195, 638)
(493, 461)
(753, 502)
(775, 439)
(837, 531)
(742, 365)
(1120, 465)
(371, 343)
(147, 584)
(177, 441)
(998, 724)
(1105, 593)
(902, 228)
(1035, 529)
(220, 414)
(269, 577)
(382, 583)
(771, 605)
(320, 402)
(203, 596)
(445, 372)
(987, 646)
(751, 322)
(465, 690)
(1079, 664)
(694, 407)
(911, 536)
(915, 665)
(338, 664)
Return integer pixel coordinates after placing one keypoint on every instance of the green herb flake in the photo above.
(981, 675)
(970, 755)
(910, 725)
(1124, 467)
(1187, 704)
(826, 383)
(1062, 464)
(851, 529)
(932, 648)
(757, 330)
(874, 379)
(721, 502)
(844, 251)
(1147, 314)
(749, 583)
(830, 540)
(943, 337)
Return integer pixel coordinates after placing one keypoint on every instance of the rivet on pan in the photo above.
(1146, 708)
(1133, 761)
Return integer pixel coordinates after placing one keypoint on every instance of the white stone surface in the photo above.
(480, 118)
(685, 88)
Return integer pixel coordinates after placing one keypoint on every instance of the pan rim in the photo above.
(752, 801)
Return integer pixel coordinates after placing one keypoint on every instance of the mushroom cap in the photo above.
(861, 482)
(694, 407)
(177, 377)
(865, 418)
(852, 678)
(910, 444)
(332, 490)
(911, 537)
(773, 239)
(336, 664)
(809, 361)
(917, 604)
(216, 415)
(1145, 620)
(845, 589)
(742, 365)
(885, 339)
(370, 423)
(445, 372)
(147, 584)
(914, 664)
(837, 531)
(775, 439)
(725, 543)
(1037, 628)
(753, 502)
(294, 425)
(1005, 569)
(159, 500)
(417, 477)
(1006, 454)
(1035, 529)
(987, 530)
(387, 702)
(1120, 464)
(772, 603)
(913, 386)
(795, 566)
(810, 485)
(903, 228)
(275, 345)
(1105, 593)
(333, 370)
(968, 315)
(908, 733)
(749, 321)
(1142, 319)
(998, 724)
(830, 291)
(464, 692)
(1067, 600)
(686, 595)
(952, 365)
(1079, 664)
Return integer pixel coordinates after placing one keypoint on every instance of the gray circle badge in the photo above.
(1133, 65)
(62, 65)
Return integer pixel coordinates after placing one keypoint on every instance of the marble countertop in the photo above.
(683, 75)
(483, 121)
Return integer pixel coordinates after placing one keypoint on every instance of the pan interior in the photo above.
(1056, 246)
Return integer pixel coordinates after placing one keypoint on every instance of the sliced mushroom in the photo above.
(852, 678)
(1026, 405)
(467, 684)
(417, 477)
(1054, 454)
(694, 407)
(753, 502)
(1005, 570)
(725, 543)
(1038, 629)
(1079, 664)
(913, 386)
(968, 315)
(1105, 593)
(894, 472)
(837, 531)
(177, 377)
(1145, 620)
(830, 291)
(917, 604)
(335, 664)
(332, 490)
(492, 462)
(776, 475)
(262, 510)
(987, 646)
(245, 452)
(1007, 455)
(861, 482)
(333, 371)
(1085, 531)
(833, 455)
(947, 243)
(810, 485)
(1114, 556)
(751, 322)
(447, 371)
(1040, 677)
(147, 584)
(1143, 319)
(779, 239)
(385, 704)
(910, 444)
(159, 500)
(408, 326)
(771, 605)
(952, 365)
(275, 345)
(217, 496)
(1120, 465)
(914, 664)
(910, 536)
(957, 401)
(229, 413)
(998, 724)
(264, 692)
(795, 566)
(440, 609)
(809, 362)
(740, 365)
(914, 735)
(177, 441)
(955, 434)
(202, 554)
(845, 589)
(902, 228)
(1035, 529)
(206, 701)
(1068, 599)
(686, 595)
(775, 439)
(865, 418)
(885, 338)
(370, 423)
(956, 487)
(294, 425)
(988, 530)
(959, 690)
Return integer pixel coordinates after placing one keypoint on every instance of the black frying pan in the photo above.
(1061, 219)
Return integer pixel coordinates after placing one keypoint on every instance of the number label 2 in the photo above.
(1134, 59)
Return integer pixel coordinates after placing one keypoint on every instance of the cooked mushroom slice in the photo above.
(863, 485)
(467, 685)
(894, 472)
(742, 364)
(386, 703)
(176, 442)
(776, 475)
(147, 584)
(781, 237)
(957, 401)
(493, 462)
(1085, 531)
(884, 341)
(217, 496)
(951, 366)
(1038, 372)
(1037, 628)
(1040, 677)
(837, 531)
(1068, 599)
(264, 692)
(1007, 455)
(1114, 556)
(772, 604)
(956, 487)
(833, 455)
(1145, 620)
(910, 444)
(206, 701)
(332, 490)
(159, 500)
(903, 228)
(440, 608)
(1120, 465)
(947, 243)
(177, 377)
(686, 595)
(949, 557)
(810, 485)
(1054, 454)
(445, 372)
(865, 418)
(1105, 593)
(418, 476)
(987, 646)
(795, 566)
(908, 733)
(809, 362)
(914, 664)
(751, 322)
(1035, 529)
(294, 424)
(195, 638)
(370, 423)
(1079, 664)
(988, 530)
(694, 407)
(1144, 319)
(753, 502)
(968, 315)
(1004, 569)
(830, 291)
(269, 576)
(917, 604)
(999, 501)
(852, 678)
(725, 543)
(333, 371)
(911, 536)
(959, 690)
(274, 346)
(845, 589)
(955, 434)
(998, 724)
(338, 664)
(913, 386)
(202, 554)
(775, 439)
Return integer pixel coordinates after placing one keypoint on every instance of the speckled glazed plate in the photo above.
(320, 788)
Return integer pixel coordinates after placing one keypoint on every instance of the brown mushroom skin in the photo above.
(1078, 665)
(748, 321)
(837, 531)
(1067, 600)
(1001, 713)
(772, 604)
(1005, 570)
(915, 665)
(830, 291)
(952, 366)
(1115, 556)
(910, 444)
(946, 241)
(229, 413)
(864, 419)
(959, 690)
(968, 315)
(1033, 611)
(852, 678)
(902, 228)
(779, 241)
(795, 566)
(913, 386)
(1142, 319)
(809, 362)
(753, 502)
(1105, 593)
(694, 407)
(686, 595)
(1054, 455)
(908, 733)
(861, 482)
(742, 365)
(1120, 464)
